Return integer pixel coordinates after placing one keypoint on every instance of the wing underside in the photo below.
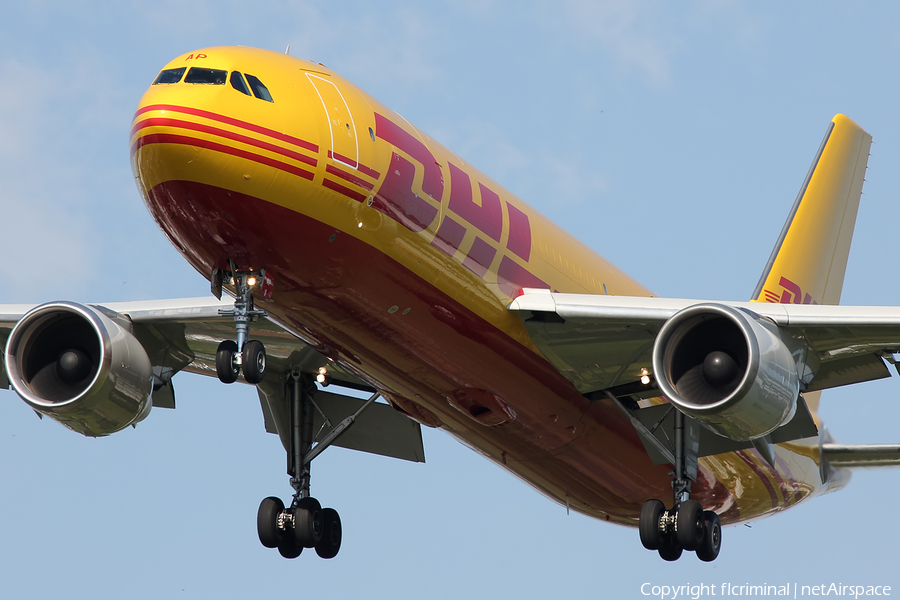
(604, 346)
(601, 342)
(184, 335)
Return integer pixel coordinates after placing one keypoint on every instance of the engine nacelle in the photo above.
(728, 369)
(76, 365)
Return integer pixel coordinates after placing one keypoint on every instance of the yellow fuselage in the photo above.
(397, 259)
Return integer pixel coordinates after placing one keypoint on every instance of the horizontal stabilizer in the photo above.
(861, 455)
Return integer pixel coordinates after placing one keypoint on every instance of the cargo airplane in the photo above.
(354, 252)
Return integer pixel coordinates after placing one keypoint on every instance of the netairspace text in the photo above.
(790, 590)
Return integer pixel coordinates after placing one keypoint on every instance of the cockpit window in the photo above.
(237, 82)
(170, 76)
(202, 75)
(206, 76)
(259, 90)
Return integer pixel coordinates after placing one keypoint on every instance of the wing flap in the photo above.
(380, 429)
(852, 369)
(659, 420)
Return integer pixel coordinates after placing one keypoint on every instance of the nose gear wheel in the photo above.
(242, 354)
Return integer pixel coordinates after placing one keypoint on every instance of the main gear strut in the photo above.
(305, 524)
(685, 526)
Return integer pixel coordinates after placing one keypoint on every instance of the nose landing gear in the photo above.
(244, 355)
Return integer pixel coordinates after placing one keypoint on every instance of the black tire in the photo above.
(308, 523)
(670, 550)
(689, 525)
(289, 548)
(330, 544)
(254, 361)
(712, 537)
(266, 526)
(225, 367)
(651, 536)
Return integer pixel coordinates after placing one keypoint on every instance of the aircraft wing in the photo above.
(184, 334)
(601, 342)
(605, 344)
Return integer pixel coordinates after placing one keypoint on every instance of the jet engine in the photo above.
(76, 365)
(727, 368)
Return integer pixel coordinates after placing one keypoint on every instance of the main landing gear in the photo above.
(244, 355)
(685, 526)
(305, 524)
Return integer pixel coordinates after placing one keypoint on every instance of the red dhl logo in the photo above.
(397, 199)
(790, 294)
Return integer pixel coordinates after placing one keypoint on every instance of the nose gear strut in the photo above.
(244, 355)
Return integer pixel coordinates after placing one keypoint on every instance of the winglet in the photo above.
(809, 260)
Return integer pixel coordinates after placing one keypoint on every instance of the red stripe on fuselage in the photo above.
(352, 194)
(168, 138)
(511, 276)
(230, 121)
(368, 171)
(237, 137)
(348, 177)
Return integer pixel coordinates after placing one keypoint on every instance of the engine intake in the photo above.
(728, 369)
(76, 365)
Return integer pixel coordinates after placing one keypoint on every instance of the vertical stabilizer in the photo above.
(809, 260)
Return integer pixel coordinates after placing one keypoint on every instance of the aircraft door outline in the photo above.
(344, 140)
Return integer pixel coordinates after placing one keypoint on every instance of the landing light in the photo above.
(645, 377)
(251, 281)
(359, 225)
(320, 378)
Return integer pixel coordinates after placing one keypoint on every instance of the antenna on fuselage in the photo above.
(288, 49)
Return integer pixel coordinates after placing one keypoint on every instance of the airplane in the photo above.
(349, 253)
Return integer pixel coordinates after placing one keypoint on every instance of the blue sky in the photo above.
(670, 137)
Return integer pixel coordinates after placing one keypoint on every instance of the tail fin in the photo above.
(809, 260)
